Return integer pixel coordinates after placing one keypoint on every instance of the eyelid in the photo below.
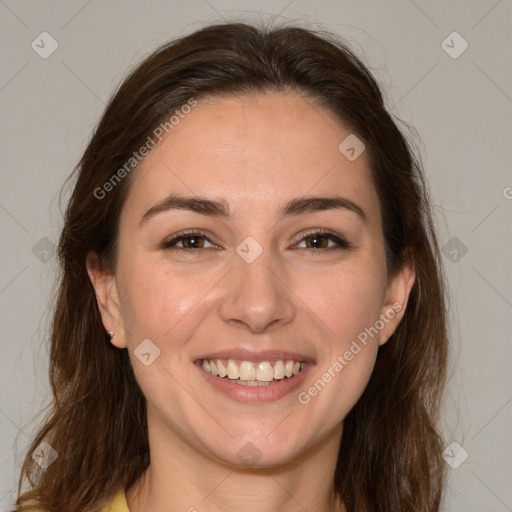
(339, 240)
(166, 244)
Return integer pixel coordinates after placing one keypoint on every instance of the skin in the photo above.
(257, 153)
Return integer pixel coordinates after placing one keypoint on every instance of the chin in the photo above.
(254, 454)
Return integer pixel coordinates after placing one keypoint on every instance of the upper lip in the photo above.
(255, 355)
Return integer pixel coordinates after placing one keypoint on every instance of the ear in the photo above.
(396, 297)
(107, 297)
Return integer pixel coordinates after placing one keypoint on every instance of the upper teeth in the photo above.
(247, 371)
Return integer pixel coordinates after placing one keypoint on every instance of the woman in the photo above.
(251, 313)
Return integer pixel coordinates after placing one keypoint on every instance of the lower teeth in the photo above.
(251, 382)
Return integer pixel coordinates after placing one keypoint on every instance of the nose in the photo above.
(257, 296)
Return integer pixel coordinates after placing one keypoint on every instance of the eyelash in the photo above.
(340, 241)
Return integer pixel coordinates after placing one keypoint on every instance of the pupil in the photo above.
(194, 243)
(315, 239)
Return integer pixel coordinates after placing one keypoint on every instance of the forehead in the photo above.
(258, 149)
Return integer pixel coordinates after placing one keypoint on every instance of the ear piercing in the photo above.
(111, 334)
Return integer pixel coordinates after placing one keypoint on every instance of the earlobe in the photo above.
(107, 298)
(397, 296)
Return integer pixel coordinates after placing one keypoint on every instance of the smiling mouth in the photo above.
(247, 373)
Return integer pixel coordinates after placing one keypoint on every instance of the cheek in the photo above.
(348, 300)
(340, 386)
(349, 308)
(168, 308)
(155, 299)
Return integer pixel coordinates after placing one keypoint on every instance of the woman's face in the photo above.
(256, 288)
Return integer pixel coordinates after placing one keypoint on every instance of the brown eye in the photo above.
(193, 242)
(317, 241)
(188, 241)
(321, 239)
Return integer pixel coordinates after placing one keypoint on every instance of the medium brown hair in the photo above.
(390, 453)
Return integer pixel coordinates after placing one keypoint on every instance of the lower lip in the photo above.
(275, 391)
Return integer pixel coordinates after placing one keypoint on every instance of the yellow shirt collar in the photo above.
(118, 504)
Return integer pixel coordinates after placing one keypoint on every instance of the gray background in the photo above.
(461, 108)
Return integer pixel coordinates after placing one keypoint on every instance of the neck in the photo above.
(181, 478)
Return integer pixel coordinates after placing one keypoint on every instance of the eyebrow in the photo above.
(220, 208)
